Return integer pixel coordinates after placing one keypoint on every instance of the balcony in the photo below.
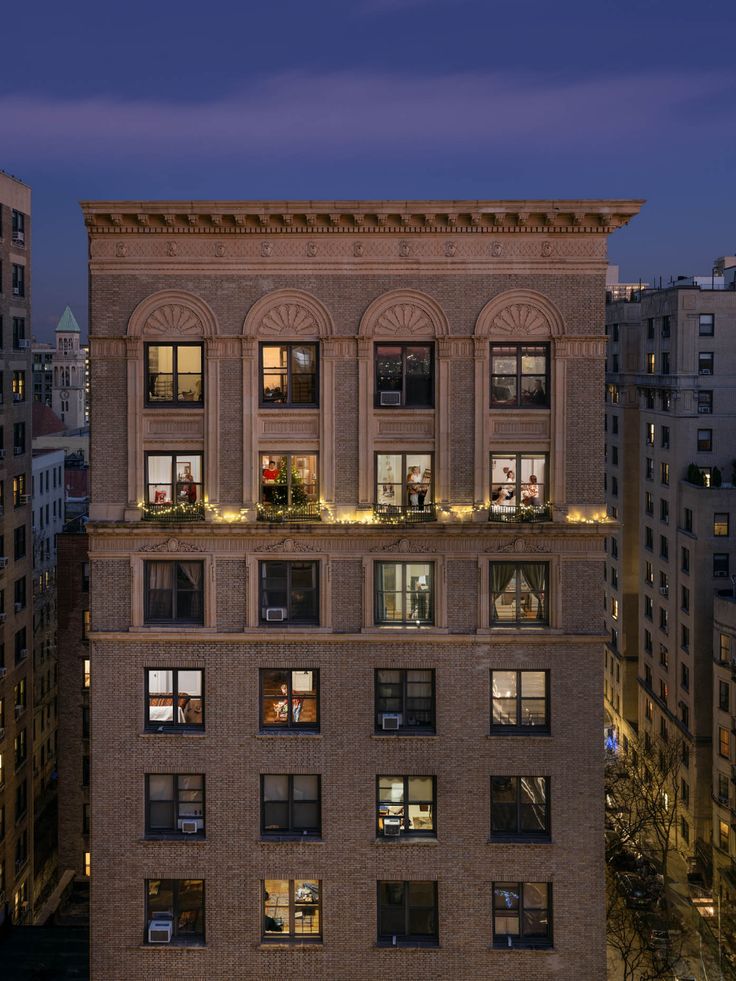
(404, 514)
(173, 512)
(520, 512)
(284, 513)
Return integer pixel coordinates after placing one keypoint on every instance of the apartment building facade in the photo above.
(347, 504)
(16, 674)
(670, 406)
(47, 490)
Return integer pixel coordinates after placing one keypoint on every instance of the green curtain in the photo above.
(501, 575)
(535, 574)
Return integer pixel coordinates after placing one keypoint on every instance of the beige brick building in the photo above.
(16, 553)
(347, 527)
(670, 409)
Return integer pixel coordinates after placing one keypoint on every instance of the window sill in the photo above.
(404, 628)
(174, 837)
(528, 947)
(291, 840)
(269, 734)
(199, 734)
(408, 945)
(393, 733)
(177, 945)
(519, 840)
(406, 838)
(518, 628)
(516, 732)
(291, 944)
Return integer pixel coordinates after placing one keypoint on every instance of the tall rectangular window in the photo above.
(720, 565)
(175, 803)
(404, 483)
(705, 440)
(18, 227)
(289, 375)
(705, 362)
(19, 279)
(405, 700)
(407, 912)
(705, 403)
(174, 911)
(174, 592)
(404, 593)
(651, 363)
(174, 699)
(706, 324)
(289, 486)
(174, 479)
(289, 699)
(292, 909)
(406, 806)
(522, 914)
(519, 376)
(520, 807)
(290, 804)
(519, 593)
(404, 375)
(289, 593)
(174, 374)
(518, 481)
(519, 701)
(720, 524)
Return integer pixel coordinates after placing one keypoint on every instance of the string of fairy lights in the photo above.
(324, 512)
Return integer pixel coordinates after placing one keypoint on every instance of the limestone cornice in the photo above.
(549, 217)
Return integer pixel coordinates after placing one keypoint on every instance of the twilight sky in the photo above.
(374, 99)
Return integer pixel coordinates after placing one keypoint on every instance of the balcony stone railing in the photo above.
(280, 513)
(173, 512)
(404, 514)
(520, 512)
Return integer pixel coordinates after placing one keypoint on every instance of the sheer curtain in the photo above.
(160, 582)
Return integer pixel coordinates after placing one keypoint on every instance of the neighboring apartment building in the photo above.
(47, 486)
(347, 505)
(670, 408)
(74, 683)
(16, 670)
(43, 373)
(724, 747)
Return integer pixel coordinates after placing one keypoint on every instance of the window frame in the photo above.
(288, 403)
(292, 832)
(704, 444)
(290, 725)
(519, 727)
(519, 622)
(174, 620)
(265, 507)
(177, 939)
(518, 404)
(172, 455)
(174, 402)
(709, 324)
(507, 940)
(176, 803)
(290, 935)
(313, 620)
(405, 803)
(407, 939)
(404, 345)
(173, 725)
(428, 506)
(519, 834)
(720, 522)
(405, 621)
(403, 730)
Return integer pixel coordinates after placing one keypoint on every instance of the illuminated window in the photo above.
(289, 375)
(174, 374)
(86, 673)
(292, 909)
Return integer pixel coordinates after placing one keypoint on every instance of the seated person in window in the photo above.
(505, 493)
(530, 491)
(270, 475)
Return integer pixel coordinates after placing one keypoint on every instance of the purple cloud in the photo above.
(342, 115)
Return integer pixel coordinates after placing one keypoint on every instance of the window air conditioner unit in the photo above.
(3, 671)
(17, 450)
(24, 344)
(704, 409)
(390, 721)
(160, 931)
(19, 238)
(25, 498)
(664, 590)
(705, 371)
(19, 711)
(23, 653)
(392, 827)
(18, 607)
(390, 398)
(3, 562)
(16, 291)
(275, 614)
(190, 826)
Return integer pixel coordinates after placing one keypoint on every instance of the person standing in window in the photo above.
(416, 488)
(530, 494)
(188, 487)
